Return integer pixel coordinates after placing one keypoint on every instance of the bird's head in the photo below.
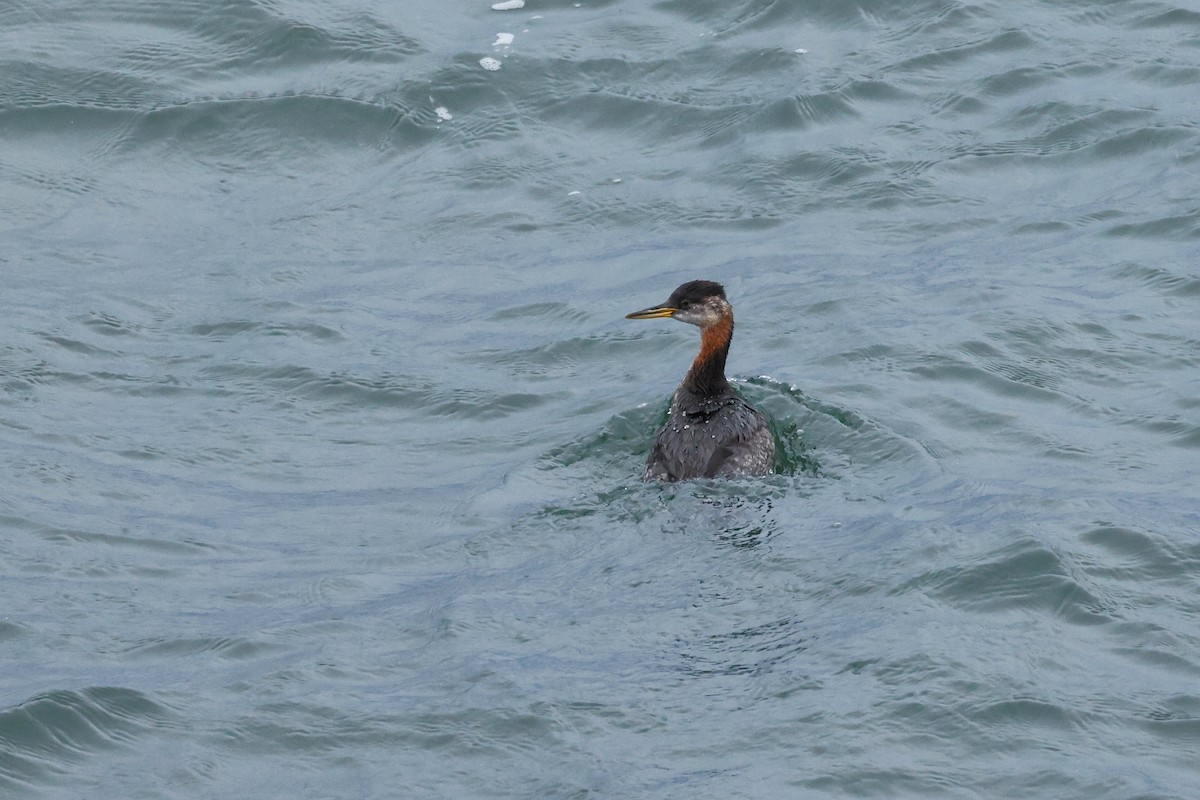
(700, 303)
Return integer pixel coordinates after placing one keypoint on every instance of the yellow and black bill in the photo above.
(654, 312)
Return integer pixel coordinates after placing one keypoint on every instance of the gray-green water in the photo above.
(321, 427)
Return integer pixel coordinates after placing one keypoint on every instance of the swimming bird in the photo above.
(710, 432)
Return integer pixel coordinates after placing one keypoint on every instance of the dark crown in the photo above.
(695, 292)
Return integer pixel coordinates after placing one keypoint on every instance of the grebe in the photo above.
(711, 432)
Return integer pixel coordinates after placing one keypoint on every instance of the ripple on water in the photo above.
(221, 331)
(553, 313)
(199, 650)
(291, 727)
(42, 734)
(819, 445)
(562, 358)
(753, 650)
(943, 57)
(1024, 576)
(279, 384)
(1182, 227)
(1141, 558)
(164, 547)
(155, 40)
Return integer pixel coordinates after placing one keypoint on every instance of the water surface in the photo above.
(323, 429)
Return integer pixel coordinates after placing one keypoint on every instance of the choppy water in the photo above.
(322, 428)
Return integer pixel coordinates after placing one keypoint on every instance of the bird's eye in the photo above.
(685, 305)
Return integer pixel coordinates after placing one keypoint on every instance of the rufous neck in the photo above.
(707, 375)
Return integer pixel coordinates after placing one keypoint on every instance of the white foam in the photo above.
(489, 63)
(508, 5)
(443, 114)
(503, 39)
(801, 50)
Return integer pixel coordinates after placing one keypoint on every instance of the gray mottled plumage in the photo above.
(711, 437)
(710, 432)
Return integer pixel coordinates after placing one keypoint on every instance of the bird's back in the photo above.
(717, 436)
